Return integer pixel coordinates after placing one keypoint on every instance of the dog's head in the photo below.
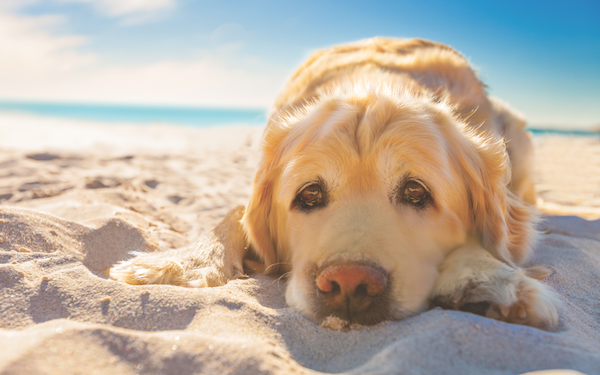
(361, 194)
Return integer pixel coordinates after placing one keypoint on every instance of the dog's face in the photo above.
(361, 198)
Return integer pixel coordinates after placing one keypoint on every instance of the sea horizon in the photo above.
(140, 114)
(190, 116)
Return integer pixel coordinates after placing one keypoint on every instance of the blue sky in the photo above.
(543, 57)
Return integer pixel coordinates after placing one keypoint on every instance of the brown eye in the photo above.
(311, 194)
(415, 193)
(310, 197)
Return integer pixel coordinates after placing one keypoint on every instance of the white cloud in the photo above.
(118, 8)
(128, 11)
(28, 47)
(37, 63)
(14, 4)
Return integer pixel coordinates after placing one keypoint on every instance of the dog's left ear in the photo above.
(258, 218)
(503, 222)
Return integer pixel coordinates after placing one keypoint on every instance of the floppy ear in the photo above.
(503, 222)
(262, 221)
(258, 218)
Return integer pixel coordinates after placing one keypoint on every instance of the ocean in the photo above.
(185, 116)
(142, 115)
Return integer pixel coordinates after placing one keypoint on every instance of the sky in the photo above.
(543, 57)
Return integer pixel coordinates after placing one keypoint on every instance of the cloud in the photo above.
(117, 8)
(111, 8)
(129, 12)
(27, 46)
(15, 4)
(37, 63)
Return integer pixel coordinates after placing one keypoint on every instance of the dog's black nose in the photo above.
(353, 291)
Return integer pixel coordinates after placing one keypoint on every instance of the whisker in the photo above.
(275, 265)
(281, 277)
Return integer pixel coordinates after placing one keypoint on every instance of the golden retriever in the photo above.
(384, 185)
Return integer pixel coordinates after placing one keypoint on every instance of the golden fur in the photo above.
(359, 120)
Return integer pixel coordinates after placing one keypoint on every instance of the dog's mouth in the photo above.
(355, 292)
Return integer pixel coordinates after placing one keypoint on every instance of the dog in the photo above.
(389, 180)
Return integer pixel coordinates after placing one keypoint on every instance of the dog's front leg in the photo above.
(471, 275)
(213, 260)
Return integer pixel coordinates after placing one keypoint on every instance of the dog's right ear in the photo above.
(259, 220)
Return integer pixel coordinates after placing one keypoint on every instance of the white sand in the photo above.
(76, 198)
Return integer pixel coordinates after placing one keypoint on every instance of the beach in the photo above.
(76, 197)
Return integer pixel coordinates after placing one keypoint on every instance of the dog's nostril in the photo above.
(335, 288)
(352, 280)
(361, 291)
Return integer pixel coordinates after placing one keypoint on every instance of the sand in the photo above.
(77, 197)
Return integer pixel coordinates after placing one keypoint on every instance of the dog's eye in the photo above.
(310, 197)
(415, 193)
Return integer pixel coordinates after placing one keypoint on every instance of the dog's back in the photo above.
(416, 64)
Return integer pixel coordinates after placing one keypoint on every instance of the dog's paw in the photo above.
(152, 270)
(141, 270)
(534, 305)
(211, 276)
